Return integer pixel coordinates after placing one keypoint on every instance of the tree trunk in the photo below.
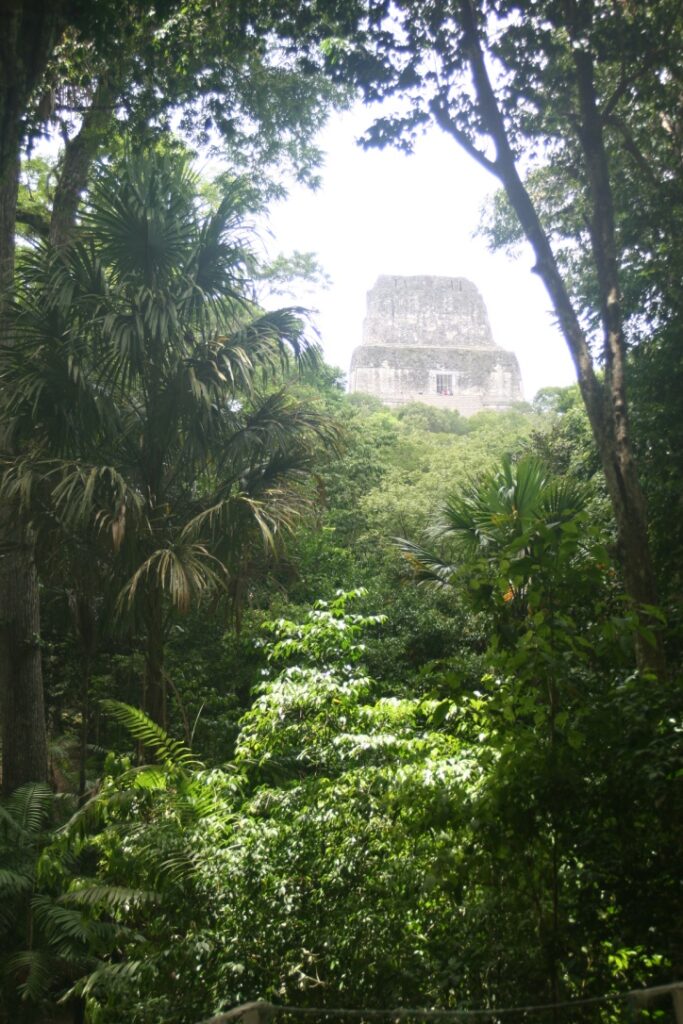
(622, 478)
(28, 34)
(79, 153)
(22, 712)
(85, 715)
(605, 402)
(82, 607)
(24, 737)
(9, 189)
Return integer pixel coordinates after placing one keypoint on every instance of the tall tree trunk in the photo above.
(24, 737)
(627, 496)
(605, 402)
(9, 189)
(22, 711)
(28, 34)
(79, 153)
(85, 715)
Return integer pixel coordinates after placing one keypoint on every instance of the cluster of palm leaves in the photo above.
(514, 528)
(148, 433)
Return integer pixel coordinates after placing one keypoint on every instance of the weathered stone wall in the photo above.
(428, 339)
(446, 312)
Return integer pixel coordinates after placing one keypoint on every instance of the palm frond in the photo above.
(36, 968)
(29, 807)
(9, 913)
(93, 493)
(60, 925)
(563, 499)
(269, 343)
(13, 828)
(222, 260)
(15, 882)
(146, 777)
(172, 753)
(96, 811)
(108, 897)
(135, 386)
(183, 572)
(426, 566)
(142, 218)
(109, 974)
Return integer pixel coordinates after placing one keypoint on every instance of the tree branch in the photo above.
(614, 99)
(444, 120)
(622, 476)
(79, 153)
(631, 147)
(505, 169)
(605, 404)
(37, 222)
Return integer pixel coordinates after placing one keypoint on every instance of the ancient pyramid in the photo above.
(428, 339)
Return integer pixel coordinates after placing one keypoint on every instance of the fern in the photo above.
(120, 974)
(108, 897)
(172, 753)
(8, 916)
(12, 827)
(26, 811)
(43, 941)
(36, 969)
(95, 812)
(58, 923)
(148, 777)
(15, 882)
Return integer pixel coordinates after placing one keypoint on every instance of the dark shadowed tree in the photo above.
(142, 394)
(244, 72)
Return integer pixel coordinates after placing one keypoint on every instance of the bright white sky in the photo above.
(383, 212)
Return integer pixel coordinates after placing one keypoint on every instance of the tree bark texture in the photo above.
(605, 403)
(22, 712)
(29, 32)
(28, 35)
(79, 153)
(24, 738)
(630, 508)
(9, 189)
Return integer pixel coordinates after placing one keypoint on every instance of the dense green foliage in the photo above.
(468, 800)
(460, 847)
(343, 701)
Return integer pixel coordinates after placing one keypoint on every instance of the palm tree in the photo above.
(515, 525)
(143, 396)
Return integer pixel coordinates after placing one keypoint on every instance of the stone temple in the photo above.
(428, 339)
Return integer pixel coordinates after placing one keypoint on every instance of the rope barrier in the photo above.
(401, 1013)
(260, 1011)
